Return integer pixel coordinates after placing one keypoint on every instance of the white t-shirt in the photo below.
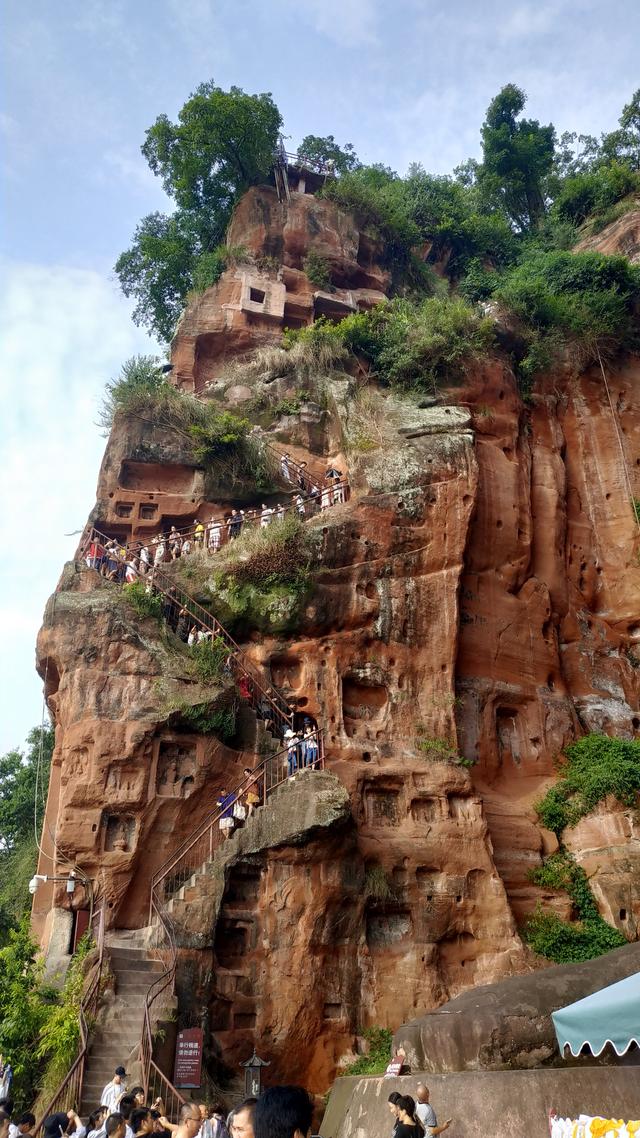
(427, 1116)
(111, 1096)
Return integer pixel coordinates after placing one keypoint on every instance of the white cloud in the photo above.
(63, 333)
(349, 23)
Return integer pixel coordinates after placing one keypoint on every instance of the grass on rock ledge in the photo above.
(261, 581)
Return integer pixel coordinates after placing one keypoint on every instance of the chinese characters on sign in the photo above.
(188, 1064)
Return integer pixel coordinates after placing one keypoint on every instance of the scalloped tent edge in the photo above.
(611, 1015)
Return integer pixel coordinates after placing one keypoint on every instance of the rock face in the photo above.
(476, 597)
(621, 236)
(508, 1025)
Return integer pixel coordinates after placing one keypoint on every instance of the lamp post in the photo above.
(253, 1075)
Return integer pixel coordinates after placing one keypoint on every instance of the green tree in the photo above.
(222, 144)
(315, 149)
(623, 145)
(517, 159)
(23, 1010)
(24, 779)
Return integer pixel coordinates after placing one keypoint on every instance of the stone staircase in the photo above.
(115, 1041)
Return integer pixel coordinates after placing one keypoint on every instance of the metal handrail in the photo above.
(69, 1093)
(152, 1077)
(311, 487)
(256, 691)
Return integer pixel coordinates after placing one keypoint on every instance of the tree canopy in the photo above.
(222, 144)
(315, 149)
(24, 779)
(527, 195)
(517, 159)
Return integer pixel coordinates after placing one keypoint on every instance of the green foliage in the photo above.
(565, 941)
(24, 779)
(209, 266)
(24, 1008)
(218, 436)
(222, 144)
(593, 193)
(140, 385)
(517, 159)
(378, 1057)
(411, 345)
(635, 508)
(584, 299)
(596, 766)
(439, 750)
(318, 151)
(317, 269)
(146, 604)
(209, 719)
(60, 1032)
(209, 660)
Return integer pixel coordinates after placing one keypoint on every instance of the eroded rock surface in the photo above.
(476, 597)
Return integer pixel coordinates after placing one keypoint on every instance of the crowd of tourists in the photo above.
(414, 1118)
(279, 1112)
(131, 560)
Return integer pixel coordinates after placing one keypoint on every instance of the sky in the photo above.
(403, 80)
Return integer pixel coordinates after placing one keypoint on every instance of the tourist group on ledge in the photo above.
(134, 559)
(278, 1112)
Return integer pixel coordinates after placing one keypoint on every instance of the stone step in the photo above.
(128, 962)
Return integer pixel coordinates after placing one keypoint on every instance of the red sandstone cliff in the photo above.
(480, 587)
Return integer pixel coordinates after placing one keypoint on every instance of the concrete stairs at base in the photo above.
(113, 1040)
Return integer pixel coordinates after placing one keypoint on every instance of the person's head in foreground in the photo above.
(422, 1092)
(283, 1112)
(243, 1118)
(392, 1103)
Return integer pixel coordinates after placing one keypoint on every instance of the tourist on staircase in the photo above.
(114, 1090)
(64, 1123)
(97, 1119)
(23, 1126)
(225, 803)
(142, 1121)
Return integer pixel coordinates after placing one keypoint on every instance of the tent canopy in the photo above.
(611, 1015)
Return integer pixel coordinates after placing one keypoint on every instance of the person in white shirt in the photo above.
(114, 1090)
(426, 1114)
(22, 1126)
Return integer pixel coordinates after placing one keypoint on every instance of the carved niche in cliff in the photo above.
(119, 833)
(364, 701)
(124, 780)
(176, 771)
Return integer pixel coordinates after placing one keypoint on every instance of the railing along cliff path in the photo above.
(69, 1094)
(192, 857)
(261, 695)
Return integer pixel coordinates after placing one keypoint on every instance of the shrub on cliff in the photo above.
(409, 345)
(140, 387)
(568, 941)
(222, 143)
(375, 1062)
(596, 766)
(585, 300)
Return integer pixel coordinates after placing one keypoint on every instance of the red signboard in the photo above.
(188, 1064)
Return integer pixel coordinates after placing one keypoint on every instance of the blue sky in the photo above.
(403, 80)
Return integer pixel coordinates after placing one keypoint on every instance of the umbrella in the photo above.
(611, 1015)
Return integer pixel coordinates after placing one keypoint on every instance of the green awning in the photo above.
(611, 1015)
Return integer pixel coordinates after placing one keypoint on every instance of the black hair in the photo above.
(113, 1123)
(6, 1104)
(95, 1116)
(406, 1103)
(280, 1111)
(393, 1098)
(27, 1118)
(138, 1116)
(247, 1104)
(126, 1105)
(136, 1091)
